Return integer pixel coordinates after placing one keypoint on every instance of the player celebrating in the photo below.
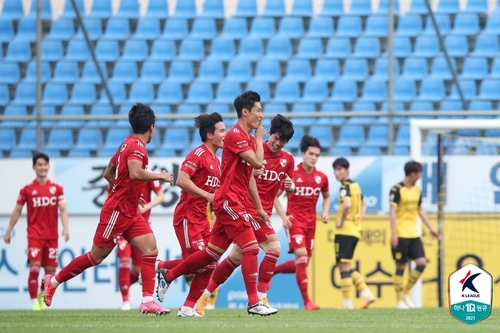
(119, 216)
(352, 209)
(241, 154)
(406, 200)
(279, 165)
(300, 218)
(43, 197)
(199, 179)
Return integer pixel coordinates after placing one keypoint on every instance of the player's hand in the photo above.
(258, 172)
(167, 177)
(287, 223)
(210, 197)
(324, 218)
(264, 218)
(435, 234)
(288, 184)
(339, 224)
(65, 234)
(260, 132)
(142, 202)
(6, 237)
(143, 208)
(394, 241)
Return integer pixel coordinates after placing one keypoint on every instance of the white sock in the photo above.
(347, 302)
(207, 293)
(54, 282)
(261, 295)
(185, 308)
(156, 265)
(146, 299)
(365, 293)
(34, 300)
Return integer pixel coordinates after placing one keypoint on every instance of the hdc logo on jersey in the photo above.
(271, 175)
(307, 191)
(470, 291)
(44, 201)
(212, 181)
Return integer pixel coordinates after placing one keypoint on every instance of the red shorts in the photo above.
(46, 251)
(125, 250)
(229, 222)
(113, 225)
(261, 230)
(300, 237)
(192, 237)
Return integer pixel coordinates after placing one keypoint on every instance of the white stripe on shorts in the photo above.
(186, 234)
(111, 224)
(230, 211)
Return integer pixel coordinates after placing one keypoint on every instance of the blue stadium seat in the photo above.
(7, 138)
(93, 26)
(77, 50)
(320, 27)
(181, 71)
(12, 9)
(141, 92)
(279, 48)
(341, 151)
(234, 28)
(185, 9)
(169, 92)
(338, 48)
(332, 107)
(153, 71)
(294, 142)
(218, 107)
(115, 137)
(366, 47)
(287, 91)
(468, 89)
(381, 70)
(451, 105)
(324, 135)
(361, 7)
(489, 89)
(332, 8)
(250, 48)
(369, 151)
(356, 69)
(448, 7)
(302, 8)
(426, 46)
(25, 93)
(101, 9)
(79, 153)
(268, 70)
(100, 110)
(274, 8)
(52, 50)
(186, 109)
(227, 92)
(298, 70)
(349, 26)
(495, 69)
(213, 9)
(66, 72)
(106, 152)
(27, 140)
(402, 47)
(344, 90)
(157, 9)
(117, 29)
(46, 12)
(135, 50)
(6, 29)
(262, 27)
(262, 87)
(275, 107)
(55, 94)
(376, 26)
(128, 9)
(361, 107)
(71, 110)
(486, 45)
(431, 89)
(239, 71)
(210, 71)
(477, 105)
(374, 90)
(291, 27)
(83, 94)
(18, 50)
(246, 8)
(315, 90)
(310, 48)
(476, 6)
(409, 25)
(163, 50)
(21, 152)
(404, 90)
(147, 29)
(383, 7)
(26, 29)
(60, 139)
(402, 137)
(9, 73)
(200, 93)
(327, 69)
(11, 110)
(175, 28)
(457, 46)
(415, 68)
(466, 24)
(107, 50)
(60, 29)
(222, 49)
(69, 11)
(90, 73)
(440, 69)
(124, 72)
(191, 49)
(203, 28)
(351, 136)
(443, 21)
(474, 68)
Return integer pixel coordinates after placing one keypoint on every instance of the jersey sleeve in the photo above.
(395, 196)
(60, 196)
(345, 191)
(191, 164)
(22, 198)
(237, 142)
(290, 167)
(325, 187)
(137, 152)
(420, 200)
(155, 186)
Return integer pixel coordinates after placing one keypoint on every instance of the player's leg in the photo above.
(124, 252)
(136, 266)
(415, 252)
(50, 257)
(399, 254)
(344, 264)
(35, 249)
(288, 267)
(272, 248)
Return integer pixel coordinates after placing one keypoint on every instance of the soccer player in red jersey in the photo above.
(199, 178)
(300, 217)
(242, 154)
(279, 165)
(120, 216)
(43, 198)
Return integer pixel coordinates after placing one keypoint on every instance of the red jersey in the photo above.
(43, 204)
(126, 192)
(302, 202)
(235, 173)
(276, 168)
(204, 169)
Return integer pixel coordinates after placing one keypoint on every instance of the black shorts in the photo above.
(344, 247)
(408, 249)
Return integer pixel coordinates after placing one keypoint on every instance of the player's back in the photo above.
(352, 223)
(408, 200)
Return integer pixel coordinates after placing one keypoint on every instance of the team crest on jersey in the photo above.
(52, 190)
(123, 147)
(283, 162)
(200, 244)
(34, 251)
(317, 179)
(298, 239)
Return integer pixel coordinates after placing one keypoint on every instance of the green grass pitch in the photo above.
(238, 321)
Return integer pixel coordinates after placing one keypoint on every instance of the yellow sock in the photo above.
(346, 287)
(358, 281)
(398, 286)
(414, 275)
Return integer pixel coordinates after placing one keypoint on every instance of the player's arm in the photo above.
(346, 205)
(109, 173)
(364, 206)
(281, 212)
(153, 203)
(186, 184)
(394, 201)
(427, 222)
(63, 211)
(255, 158)
(326, 206)
(16, 213)
(254, 195)
(136, 172)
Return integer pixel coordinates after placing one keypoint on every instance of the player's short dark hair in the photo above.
(38, 155)
(141, 117)
(206, 123)
(245, 101)
(411, 167)
(341, 162)
(283, 126)
(308, 141)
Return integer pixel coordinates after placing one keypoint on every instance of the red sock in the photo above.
(134, 277)
(148, 274)
(286, 267)
(33, 281)
(266, 270)
(198, 285)
(75, 267)
(169, 264)
(222, 272)
(249, 267)
(301, 276)
(124, 278)
(192, 263)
